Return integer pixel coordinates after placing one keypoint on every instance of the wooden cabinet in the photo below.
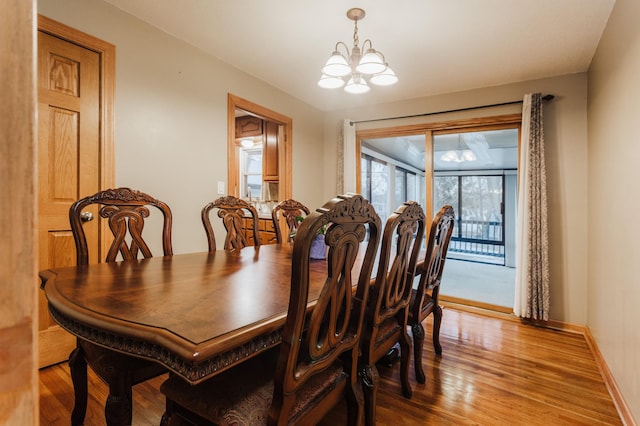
(265, 228)
(248, 126)
(270, 153)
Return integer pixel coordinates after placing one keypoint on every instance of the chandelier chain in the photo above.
(355, 34)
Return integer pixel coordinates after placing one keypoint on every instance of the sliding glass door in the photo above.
(474, 169)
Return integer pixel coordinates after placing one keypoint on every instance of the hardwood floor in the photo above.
(492, 372)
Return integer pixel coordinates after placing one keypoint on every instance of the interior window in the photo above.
(251, 172)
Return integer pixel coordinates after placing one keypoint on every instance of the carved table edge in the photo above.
(193, 372)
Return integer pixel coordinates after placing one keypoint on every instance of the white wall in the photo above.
(614, 204)
(566, 155)
(171, 116)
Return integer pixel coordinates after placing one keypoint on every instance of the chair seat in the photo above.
(387, 329)
(425, 309)
(248, 388)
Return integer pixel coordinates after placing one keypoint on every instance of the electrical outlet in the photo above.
(220, 188)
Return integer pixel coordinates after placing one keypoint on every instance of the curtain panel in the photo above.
(532, 252)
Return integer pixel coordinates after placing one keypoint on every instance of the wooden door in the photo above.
(68, 165)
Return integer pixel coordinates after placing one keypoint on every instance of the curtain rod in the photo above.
(545, 97)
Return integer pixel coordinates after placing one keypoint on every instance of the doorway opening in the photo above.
(259, 147)
(475, 171)
(471, 165)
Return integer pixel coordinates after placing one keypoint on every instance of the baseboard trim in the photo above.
(618, 400)
(465, 304)
(612, 387)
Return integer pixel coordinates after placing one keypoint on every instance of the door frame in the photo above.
(284, 144)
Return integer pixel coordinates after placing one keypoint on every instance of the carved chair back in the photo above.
(126, 210)
(290, 210)
(232, 211)
(327, 338)
(424, 300)
(387, 309)
(436, 254)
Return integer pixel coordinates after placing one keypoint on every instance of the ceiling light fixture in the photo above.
(246, 142)
(355, 65)
(459, 155)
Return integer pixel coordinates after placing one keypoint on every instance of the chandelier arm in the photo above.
(384, 60)
(345, 48)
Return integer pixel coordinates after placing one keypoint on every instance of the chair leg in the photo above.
(369, 377)
(355, 404)
(405, 358)
(78, 369)
(418, 340)
(437, 320)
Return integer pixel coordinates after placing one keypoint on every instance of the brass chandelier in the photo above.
(354, 66)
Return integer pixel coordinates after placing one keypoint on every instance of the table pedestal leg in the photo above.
(78, 367)
(118, 409)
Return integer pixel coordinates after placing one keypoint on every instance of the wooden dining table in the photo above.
(197, 314)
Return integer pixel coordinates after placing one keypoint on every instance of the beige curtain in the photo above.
(346, 165)
(532, 252)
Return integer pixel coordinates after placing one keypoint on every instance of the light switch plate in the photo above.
(220, 188)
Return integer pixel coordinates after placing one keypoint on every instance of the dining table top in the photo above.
(196, 313)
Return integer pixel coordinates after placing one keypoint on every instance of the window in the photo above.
(251, 172)
(478, 201)
(376, 175)
(405, 185)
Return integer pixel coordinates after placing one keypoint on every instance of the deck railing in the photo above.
(485, 238)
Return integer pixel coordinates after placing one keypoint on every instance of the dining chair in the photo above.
(316, 365)
(233, 212)
(387, 309)
(291, 210)
(424, 299)
(125, 210)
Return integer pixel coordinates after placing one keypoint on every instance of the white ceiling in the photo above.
(434, 46)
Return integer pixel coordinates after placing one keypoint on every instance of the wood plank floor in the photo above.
(492, 372)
